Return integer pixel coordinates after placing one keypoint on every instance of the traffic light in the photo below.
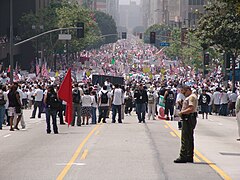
(80, 31)
(124, 35)
(152, 37)
(206, 59)
(140, 36)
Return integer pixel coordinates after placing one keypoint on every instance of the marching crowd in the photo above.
(143, 97)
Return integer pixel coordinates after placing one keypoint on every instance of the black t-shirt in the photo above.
(13, 102)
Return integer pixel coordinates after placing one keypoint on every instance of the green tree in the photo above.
(220, 27)
(107, 26)
(59, 15)
(161, 33)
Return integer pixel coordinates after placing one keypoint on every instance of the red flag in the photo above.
(65, 93)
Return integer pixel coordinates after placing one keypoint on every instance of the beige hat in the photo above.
(151, 88)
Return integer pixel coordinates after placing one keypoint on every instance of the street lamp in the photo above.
(11, 42)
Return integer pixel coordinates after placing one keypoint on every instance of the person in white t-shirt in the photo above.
(38, 94)
(104, 100)
(87, 102)
(117, 102)
(30, 98)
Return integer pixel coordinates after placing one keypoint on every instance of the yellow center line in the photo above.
(211, 164)
(76, 154)
(84, 155)
(166, 126)
(173, 134)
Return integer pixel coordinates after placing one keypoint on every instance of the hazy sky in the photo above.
(127, 1)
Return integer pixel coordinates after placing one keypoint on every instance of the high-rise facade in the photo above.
(130, 16)
(170, 12)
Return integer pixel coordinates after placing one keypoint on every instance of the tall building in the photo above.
(169, 12)
(130, 16)
(21, 53)
(113, 9)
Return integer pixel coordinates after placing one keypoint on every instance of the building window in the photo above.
(196, 2)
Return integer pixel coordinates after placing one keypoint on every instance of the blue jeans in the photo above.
(2, 113)
(141, 111)
(37, 104)
(116, 109)
(102, 113)
(94, 115)
(53, 113)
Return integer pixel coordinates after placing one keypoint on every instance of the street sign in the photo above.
(164, 44)
(64, 36)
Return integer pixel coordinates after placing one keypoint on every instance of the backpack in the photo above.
(104, 98)
(170, 98)
(2, 101)
(54, 102)
(150, 98)
(76, 96)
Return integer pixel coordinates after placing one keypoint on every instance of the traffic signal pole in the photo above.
(11, 42)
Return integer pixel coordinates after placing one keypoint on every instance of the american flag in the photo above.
(37, 68)
(44, 70)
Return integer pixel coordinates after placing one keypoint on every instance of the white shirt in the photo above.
(94, 104)
(20, 94)
(24, 95)
(29, 95)
(216, 97)
(86, 101)
(118, 96)
(233, 97)
(224, 98)
(38, 95)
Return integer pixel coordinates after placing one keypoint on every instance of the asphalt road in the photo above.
(128, 151)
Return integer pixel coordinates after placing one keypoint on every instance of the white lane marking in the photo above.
(76, 164)
(7, 135)
(220, 124)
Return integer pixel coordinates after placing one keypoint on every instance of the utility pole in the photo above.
(11, 42)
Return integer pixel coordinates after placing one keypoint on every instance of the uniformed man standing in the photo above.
(189, 116)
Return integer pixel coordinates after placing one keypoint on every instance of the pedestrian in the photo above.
(232, 102)
(117, 102)
(52, 103)
(216, 100)
(189, 116)
(14, 107)
(128, 98)
(94, 106)
(141, 99)
(169, 99)
(38, 94)
(76, 111)
(238, 116)
(60, 109)
(204, 101)
(152, 101)
(3, 100)
(179, 103)
(104, 100)
(224, 99)
(87, 102)
(30, 98)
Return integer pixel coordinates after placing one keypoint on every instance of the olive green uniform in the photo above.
(188, 126)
